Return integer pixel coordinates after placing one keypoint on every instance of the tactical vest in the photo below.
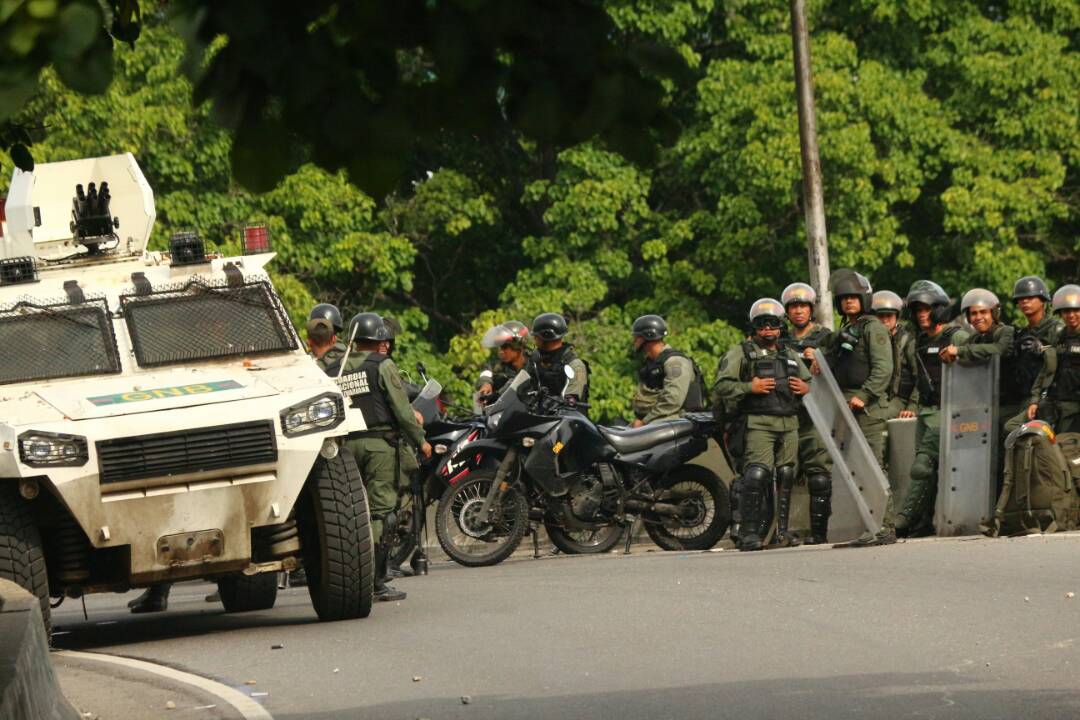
(548, 371)
(781, 401)
(851, 368)
(1066, 385)
(652, 375)
(902, 383)
(365, 393)
(330, 362)
(813, 339)
(929, 365)
(1025, 365)
(1009, 389)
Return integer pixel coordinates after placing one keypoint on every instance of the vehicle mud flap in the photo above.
(860, 490)
(967, 469)
(901, 455)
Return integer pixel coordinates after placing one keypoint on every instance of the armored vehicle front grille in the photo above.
(186, 451)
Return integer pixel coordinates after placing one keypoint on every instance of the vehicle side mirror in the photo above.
(569, 372)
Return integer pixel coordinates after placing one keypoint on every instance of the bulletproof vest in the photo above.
(902, 383)
(813, 339)
(929, 365)
(1009, 389)
(330, 362)
(546, 369)
(652, 375)
(365, 393)
(781, 401)
(1066, 385)
(851, 367)
(1025, 364)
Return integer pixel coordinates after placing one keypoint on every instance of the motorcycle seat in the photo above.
(625, 440)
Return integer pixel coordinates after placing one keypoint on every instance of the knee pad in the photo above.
(756, 477)
(785, 475)
(923, 468)
(819, 485)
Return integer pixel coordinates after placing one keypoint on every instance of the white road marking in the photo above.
(243, 704)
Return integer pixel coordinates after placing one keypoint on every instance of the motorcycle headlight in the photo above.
(42, 449)
(321, 412)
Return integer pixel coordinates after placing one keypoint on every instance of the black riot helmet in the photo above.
(929, 293)
(549, 326)
(650, 328)
(369, 326)
(846, 281)
(1030, 286)
(326, 311)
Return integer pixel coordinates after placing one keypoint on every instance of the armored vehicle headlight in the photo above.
(321, 412)
(42, 449)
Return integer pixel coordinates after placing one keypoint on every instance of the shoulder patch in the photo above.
(395, 379)
(675, 371)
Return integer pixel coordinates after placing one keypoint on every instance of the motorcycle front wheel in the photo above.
(706, 510)
(466, 538)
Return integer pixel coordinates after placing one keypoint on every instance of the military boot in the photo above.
(820, 487)
(384, 592)
(154, 599)
(755, 481)
(785, 480)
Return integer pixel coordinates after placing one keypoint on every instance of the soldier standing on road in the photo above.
(860, 355)
(929, 307)
(546, 364)
(1056, 396)
(668, 381)
(508, 339)
(887, 305)
(373, 385)
(323, 327)
(815, 464)
(1032, 297)
(766, 381)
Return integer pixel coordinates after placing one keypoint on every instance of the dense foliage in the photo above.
(950, 149)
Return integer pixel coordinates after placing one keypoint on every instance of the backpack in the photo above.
(1040, 490)
(697, 396)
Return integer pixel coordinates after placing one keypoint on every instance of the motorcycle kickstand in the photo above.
(536, 541)
(630, 530)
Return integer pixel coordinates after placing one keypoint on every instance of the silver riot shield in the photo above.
(967, 469)
(901, 456)
(860, 490)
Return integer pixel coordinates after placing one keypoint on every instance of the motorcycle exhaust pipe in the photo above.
(666, 509)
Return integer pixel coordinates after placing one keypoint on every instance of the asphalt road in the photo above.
(929, 629)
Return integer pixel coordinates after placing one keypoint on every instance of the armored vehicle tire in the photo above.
(584, 542)
(703, 528)
(246, 593)
(22, 559)
(335, 532)
(470, 542)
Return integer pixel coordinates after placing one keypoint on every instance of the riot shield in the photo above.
(860, 490)
(967, 469)
(901, 456)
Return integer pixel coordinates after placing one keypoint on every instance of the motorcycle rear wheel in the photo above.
(705, 528)
(584, 542)
(478, 544)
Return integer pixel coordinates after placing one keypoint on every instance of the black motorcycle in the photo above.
(542, 453)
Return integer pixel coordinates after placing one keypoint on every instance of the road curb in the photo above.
(28, 687)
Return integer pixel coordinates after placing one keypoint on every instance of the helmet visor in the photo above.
(496, 337)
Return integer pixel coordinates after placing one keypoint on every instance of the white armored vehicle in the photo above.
(159, 418)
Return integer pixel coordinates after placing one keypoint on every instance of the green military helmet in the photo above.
(1030, 286)
(650, 328)
(798, 292)
(549, 326)
(328, 312)
(845, 282)
(765, 308)
(368, 326)
(1067, 297)
(886, 301)
(929, 293)
(980, 298)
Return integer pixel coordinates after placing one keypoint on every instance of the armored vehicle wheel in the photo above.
(246, 593)
(585, 542)
(335, 530)
(707, 510)
(22, 559)
(465, 537)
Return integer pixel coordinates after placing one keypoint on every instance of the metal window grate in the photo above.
(186, 451)
(50, 339)
(203, 321)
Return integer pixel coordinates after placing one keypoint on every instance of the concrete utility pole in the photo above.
(817, 244)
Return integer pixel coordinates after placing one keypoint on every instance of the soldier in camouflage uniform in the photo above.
(887, 305)
(373, 386)
(1030, 340)
(766, 382)
(669, 384)
(815, 464)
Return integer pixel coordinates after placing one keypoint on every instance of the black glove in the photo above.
(1031, 344)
